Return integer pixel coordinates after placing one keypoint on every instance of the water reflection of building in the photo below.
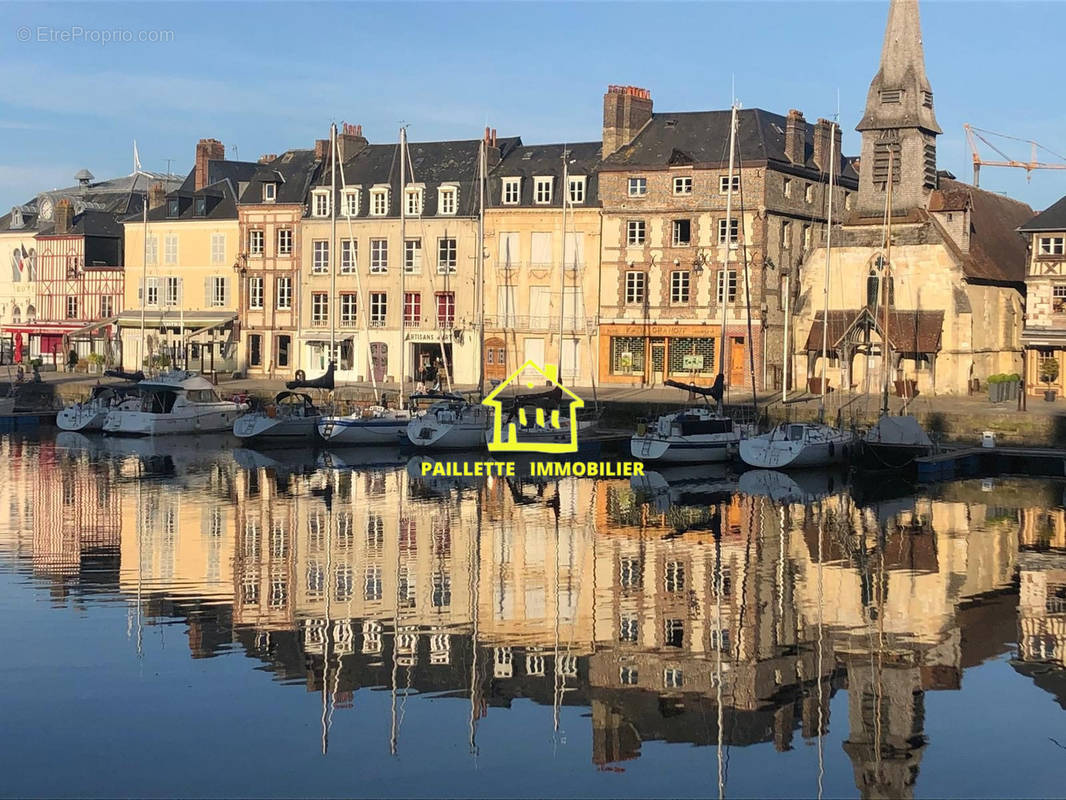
(728, 620)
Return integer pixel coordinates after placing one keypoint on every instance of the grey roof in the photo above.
(702, 138)
(431, 163)
(118, 196)
(1050, 219)
(528, 161)
(219, 195)
(292, 173)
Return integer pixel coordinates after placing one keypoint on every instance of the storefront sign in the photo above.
(428, 336)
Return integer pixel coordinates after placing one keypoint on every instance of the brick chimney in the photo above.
(822, 130)
(266, 158)
(157, 195)
(63, 216)
(350, 141)
(626, 109)
(207, 150)
(493, 156)
(795, 135)
(322, 149)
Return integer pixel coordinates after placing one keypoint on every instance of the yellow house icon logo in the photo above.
(542, 422)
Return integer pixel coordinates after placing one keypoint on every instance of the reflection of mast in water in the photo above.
(718, 649)
(475, 577)
(819, 674)
(394, 726)
(327, 713)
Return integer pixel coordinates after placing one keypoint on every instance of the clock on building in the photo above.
(46, 208)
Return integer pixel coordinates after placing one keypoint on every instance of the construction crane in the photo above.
(972, 134)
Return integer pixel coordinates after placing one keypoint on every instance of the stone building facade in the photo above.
(672, 265)
(1044, 334)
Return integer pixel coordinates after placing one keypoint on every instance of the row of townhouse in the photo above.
(628, 261)
(613, 258)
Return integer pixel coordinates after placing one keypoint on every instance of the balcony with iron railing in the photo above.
(541, 322)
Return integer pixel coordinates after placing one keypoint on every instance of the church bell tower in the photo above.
(898, 128)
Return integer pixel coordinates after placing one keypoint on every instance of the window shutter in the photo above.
(209, 299)
(225, 292)
(181, 292)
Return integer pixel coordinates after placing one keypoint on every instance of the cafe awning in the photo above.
(196, 321)
(93, 326)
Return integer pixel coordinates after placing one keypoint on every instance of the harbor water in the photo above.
(189, 617)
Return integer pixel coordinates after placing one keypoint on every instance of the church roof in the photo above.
(909, 331)
(1051, 219)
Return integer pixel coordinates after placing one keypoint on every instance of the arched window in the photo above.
(16, 315)
(31, 313)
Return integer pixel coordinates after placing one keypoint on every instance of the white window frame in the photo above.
(542, 189)
(255, 292)
(72, 306)
(320, 257)
(350, 202)
(682, 184)
(349, 256)
(674, 227)
(447, 262)
(218, 292)
(638, 186)
(379, 201)
(731, 225)
(576, 189)
(1051, 245)
(723, 183)
(349, 309)
(379, 256)
(636, 288)
(729, 275)
(319, 309)
(320, 203)
(284, 290)
(447, 201)
(680, 287)
(256, 242)
(151, 292)
(511, 191)
(218, 248)
(636, 232)
(414, 198)
(379, 309)
(412, 255)
(171, 298)
(284, 243)
(270, 192)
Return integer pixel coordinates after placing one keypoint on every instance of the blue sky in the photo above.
(270, 76)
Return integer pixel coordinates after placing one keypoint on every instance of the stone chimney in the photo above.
(157, 195)
(626, 110)
(207, 150)
(266, 158)
(822, 141)
(322, 149)
(63, 216)
(493, 156)
(350, 141)
(795, 135)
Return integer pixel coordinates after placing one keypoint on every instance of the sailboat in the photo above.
(377, 424)
(453, 422)
(806, 444)
(697, 434)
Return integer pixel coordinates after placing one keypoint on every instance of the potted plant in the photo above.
(1049, 373)
(96, 361)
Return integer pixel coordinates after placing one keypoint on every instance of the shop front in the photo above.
(646, 355)
(1045, 362)
(199, 341)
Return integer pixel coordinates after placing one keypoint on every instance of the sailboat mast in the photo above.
(332, 240)
(483, 162)
(828, 251)
(564, 189)
(723, 274)
(144, 276)
(403, 263)
(885, 278)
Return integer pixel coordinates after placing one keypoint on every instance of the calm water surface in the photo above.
(183, 617)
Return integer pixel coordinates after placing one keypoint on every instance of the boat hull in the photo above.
(146, 423)
(81, 418)
(765, 452)
(260, 427)
(683, 450)
(360, 431)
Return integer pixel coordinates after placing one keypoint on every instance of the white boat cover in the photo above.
(898, 430)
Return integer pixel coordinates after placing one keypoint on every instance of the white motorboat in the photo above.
(292, 417)
(372, 426)
(90, 415)
(798, 444)
(540, 418)
(451, 424)
(800, 488)
(177, 402)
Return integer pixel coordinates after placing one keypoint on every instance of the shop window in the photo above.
(693, 356)
(627, 355)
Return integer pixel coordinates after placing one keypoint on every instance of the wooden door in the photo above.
(737, 361)
(495, 357)
(379, 360)
(658, 360)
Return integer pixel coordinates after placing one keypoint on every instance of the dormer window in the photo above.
(447, 200)
(576, 188)
(16, 218)
(379, 201)
(542, 190)
(511, 191)
(895, 96)
(173, 207)
(413, 201)
(320, 203)
(350, 203)
(201, 206)
(270, 192)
